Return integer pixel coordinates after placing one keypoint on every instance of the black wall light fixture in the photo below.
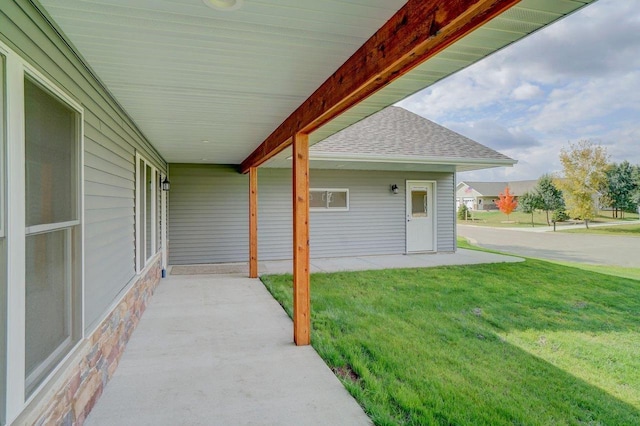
(394, 188)
(166, 184)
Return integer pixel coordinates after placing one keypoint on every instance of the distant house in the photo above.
(483, 195)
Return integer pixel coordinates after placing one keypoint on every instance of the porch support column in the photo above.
(253, 222)
(301, 296)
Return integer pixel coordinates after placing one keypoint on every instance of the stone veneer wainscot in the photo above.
(75, 392)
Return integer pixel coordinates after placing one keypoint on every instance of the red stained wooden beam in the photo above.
(418, 31)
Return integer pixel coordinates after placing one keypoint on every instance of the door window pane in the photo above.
(48, 301)
(419, 203)
(51, 162)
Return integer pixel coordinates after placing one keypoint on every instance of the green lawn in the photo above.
(628, 230)
(616, 271)
(523, 220)
(532, 343)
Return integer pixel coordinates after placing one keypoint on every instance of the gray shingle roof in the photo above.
(487, 189)
(519, 187)
(492, 189)
(395, 132)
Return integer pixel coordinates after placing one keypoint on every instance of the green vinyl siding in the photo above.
(111, 141)
(209, 214)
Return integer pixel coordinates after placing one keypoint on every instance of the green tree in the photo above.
(635, 195)
(620, 187)
(549, 196)
(584, 165)
(529, 202)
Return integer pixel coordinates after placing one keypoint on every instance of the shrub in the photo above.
(559, 215)
(463, 212)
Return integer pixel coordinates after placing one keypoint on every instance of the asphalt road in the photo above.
(584, 248)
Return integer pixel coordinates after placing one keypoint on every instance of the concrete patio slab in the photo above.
(217, 350)
(363, 263)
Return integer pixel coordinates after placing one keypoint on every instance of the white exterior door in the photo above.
(420, 216)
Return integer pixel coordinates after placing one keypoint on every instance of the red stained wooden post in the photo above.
(253, 222)
(301, 293)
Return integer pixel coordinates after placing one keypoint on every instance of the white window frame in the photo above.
(141, 259)
(3, 137)
(164, 223)
(3, 216)
(158, 199)
(16, 70)
(327, 208)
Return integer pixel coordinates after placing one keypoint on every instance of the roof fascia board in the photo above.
(320, 156)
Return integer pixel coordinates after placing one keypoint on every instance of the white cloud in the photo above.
(576, 79)
(493, 135)
(526, 91)
(579, 103)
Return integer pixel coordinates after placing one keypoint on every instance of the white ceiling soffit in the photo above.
(208, 86)
(188, 73)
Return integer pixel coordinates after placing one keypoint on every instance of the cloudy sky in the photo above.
(576, 79)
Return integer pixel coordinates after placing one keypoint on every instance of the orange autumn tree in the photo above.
(506, 203)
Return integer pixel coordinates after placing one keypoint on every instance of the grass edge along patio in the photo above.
(497, 344)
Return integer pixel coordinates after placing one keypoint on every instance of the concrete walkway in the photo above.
(217, 350)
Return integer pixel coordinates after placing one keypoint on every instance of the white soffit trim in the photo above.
(324, 156)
